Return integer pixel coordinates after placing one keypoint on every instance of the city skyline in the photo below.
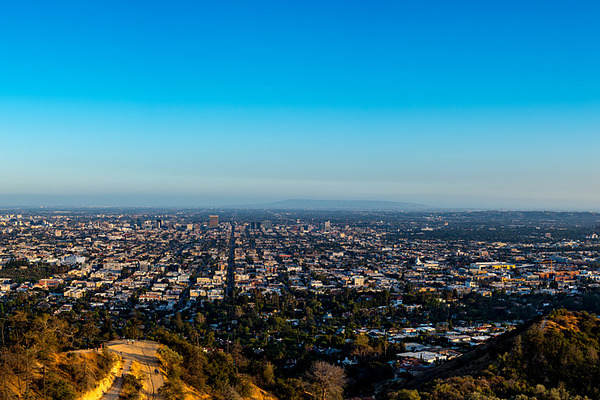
(195, 104)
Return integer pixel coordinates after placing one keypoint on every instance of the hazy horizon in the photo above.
(464, 104)
(166, 202)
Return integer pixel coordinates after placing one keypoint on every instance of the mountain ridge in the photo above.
(342, 205)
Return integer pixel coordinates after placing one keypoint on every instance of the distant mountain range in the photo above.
(341, 205)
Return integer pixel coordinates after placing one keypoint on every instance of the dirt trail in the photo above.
(144, 353)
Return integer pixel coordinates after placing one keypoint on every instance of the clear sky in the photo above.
(458, 103)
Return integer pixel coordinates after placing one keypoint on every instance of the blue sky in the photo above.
(474, 104)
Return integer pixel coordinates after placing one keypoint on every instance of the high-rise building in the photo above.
(213, 221)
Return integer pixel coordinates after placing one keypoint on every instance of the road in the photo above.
(231, 264)
(144, 353)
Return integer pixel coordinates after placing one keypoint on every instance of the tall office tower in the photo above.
(213, 221)
(327, 226)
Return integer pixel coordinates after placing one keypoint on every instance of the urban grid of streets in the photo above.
(170, 261)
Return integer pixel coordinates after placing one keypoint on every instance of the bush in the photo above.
(130, 390)
(60, 389)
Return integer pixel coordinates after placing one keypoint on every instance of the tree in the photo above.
(177, 322)
(266, 374)
(132, 330)
(406, 394)
(200, 319)
(327, 381)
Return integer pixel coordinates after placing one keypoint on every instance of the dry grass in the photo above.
(564, 322)
(105, 384)
(257, 393)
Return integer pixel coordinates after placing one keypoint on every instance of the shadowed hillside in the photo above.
(553, 357)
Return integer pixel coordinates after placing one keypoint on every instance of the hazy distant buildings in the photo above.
(213, 221)
(255, 225)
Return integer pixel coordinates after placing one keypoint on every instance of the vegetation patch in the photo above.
(133, 383)
(22, 271)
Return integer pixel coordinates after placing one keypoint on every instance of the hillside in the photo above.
(66, 376)
(193, 374)
(37, 361)
(551, 357)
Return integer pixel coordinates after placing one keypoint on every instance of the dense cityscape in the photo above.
(384, 295)
(315, 200)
